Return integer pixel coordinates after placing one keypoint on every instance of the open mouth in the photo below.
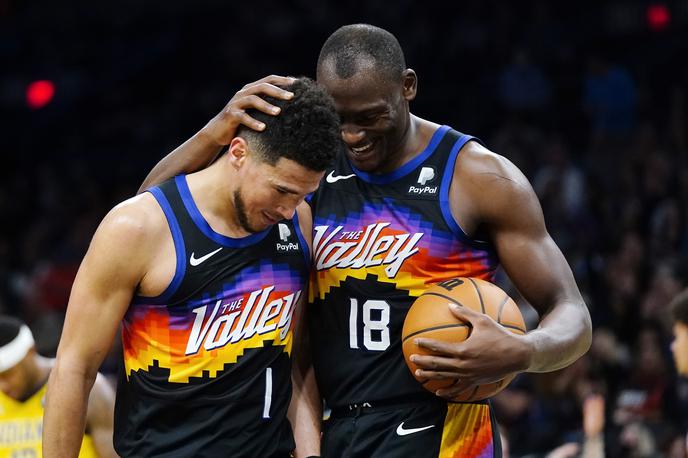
(362, 150)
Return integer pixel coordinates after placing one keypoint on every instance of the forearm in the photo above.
(563, 336)
(305, 414)
(65, 410)
(192, 155)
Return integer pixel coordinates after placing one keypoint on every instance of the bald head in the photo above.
(353, 48)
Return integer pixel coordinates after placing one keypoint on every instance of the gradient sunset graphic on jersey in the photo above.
(397, 245)
(467, 432)
(197, 338)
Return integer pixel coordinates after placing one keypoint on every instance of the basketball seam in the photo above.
(434, 328)
(450, 299)
(512, 326)
(480, 296)
(501, 308)
(475, 390)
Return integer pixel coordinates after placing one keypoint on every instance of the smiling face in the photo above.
(374, 112)
(267, 194)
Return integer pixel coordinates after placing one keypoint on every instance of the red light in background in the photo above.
(658, 17)
(39, 94)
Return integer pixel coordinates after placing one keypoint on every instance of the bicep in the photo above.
(536, 267)
(529, 255)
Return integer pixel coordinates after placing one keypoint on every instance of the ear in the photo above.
(409, 84)
(238, 152)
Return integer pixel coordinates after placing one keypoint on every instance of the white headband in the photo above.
(12, 353)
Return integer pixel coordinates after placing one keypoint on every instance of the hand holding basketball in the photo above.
(478, 342)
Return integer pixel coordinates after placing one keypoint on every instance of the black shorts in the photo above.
(419, 430)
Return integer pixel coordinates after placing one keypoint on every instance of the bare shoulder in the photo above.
(481, 167)
(491, 187)
(135, 221)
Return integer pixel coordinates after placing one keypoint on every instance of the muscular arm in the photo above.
(305, 410)
(492, 196)
(201, 149)
(511, 213)
(101, 293)
(100, 417)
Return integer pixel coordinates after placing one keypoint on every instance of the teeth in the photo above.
(362, 148)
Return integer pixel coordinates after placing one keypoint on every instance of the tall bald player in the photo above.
(413, 203)
(204, 272)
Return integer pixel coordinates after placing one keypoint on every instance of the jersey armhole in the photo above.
(302, 239)
(179, 249)
(449, 219)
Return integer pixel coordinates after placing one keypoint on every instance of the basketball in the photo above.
(430, 317)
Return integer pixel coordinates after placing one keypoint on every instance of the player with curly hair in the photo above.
(204, 272)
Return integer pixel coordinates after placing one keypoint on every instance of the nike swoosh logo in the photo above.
(333, 179)
(401, 431)
(196, 261)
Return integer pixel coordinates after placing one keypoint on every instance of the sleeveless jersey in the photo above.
(207, 363)
(379, 241)
(21, 428)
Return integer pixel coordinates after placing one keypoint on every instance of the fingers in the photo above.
(243, 118)
(464, 313)
(435, 363)
(270, 88)
(437, 346)
(276, 80)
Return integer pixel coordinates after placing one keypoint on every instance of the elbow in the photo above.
(585, 339)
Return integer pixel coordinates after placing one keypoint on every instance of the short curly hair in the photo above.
(679, 307)
(306, 131)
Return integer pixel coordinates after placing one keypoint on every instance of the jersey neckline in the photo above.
(205, 228)
(385, 178)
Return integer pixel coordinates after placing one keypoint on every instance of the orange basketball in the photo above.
(430, 317)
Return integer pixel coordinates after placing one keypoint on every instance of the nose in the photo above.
(286, 212)
(351, 134)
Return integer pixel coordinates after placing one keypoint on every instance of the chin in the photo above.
(367, 164)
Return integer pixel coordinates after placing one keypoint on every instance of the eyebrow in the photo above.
(285, 189)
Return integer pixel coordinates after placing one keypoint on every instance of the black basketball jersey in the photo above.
(379, 242)
(206, 363)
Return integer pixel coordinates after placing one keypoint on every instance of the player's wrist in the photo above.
(209, 135)
(525, 352)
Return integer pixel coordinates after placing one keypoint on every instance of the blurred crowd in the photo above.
(596, 116)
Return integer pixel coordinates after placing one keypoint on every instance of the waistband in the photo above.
(360, 408)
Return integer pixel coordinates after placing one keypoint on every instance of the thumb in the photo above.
(464, 313)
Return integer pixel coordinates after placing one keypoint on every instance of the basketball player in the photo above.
(679, 347)
(204, 272)
(413, 203)
(23, 377)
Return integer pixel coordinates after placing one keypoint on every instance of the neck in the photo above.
(213, 192)
(414, 138)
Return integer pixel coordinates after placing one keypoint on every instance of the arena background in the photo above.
(588, 98)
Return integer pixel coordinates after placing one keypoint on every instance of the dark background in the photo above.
(587, 98)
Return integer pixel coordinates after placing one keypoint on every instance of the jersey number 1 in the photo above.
(375, 331)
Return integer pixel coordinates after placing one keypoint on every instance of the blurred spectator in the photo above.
(523, 86)
(610, 98)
